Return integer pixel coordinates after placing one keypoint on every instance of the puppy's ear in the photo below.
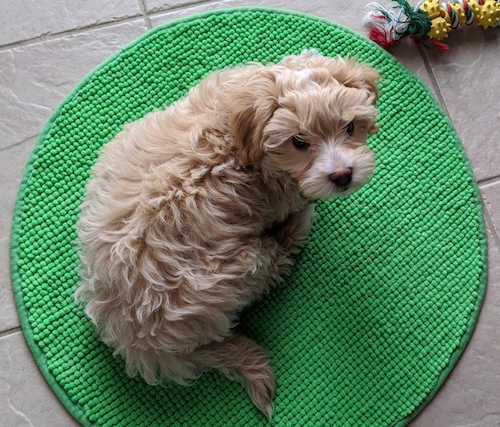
(348, 71)
(251, 104)
(352, 73)
(369, 79)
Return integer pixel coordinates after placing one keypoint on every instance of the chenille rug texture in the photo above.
(381, 301)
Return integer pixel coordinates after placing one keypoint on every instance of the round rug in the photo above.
(381, 301)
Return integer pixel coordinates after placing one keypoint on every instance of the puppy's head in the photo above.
(309, 116)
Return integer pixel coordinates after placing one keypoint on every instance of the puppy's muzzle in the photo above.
(342, 178)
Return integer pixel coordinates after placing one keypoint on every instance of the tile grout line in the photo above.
(185, 6)
(10, 331)
(58, 35)
(488, 181)
(17, 144)
(144, 12)
(433, 80)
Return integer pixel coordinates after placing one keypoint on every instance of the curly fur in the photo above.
(192, 212)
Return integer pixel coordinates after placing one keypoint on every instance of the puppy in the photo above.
(191, 213)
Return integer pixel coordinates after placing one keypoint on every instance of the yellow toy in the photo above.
(429, 22)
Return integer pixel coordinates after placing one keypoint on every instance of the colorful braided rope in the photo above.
(429, 22)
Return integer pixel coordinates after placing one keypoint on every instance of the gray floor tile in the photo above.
(24, 20)
(26, 400)
(468, 79)
(491, 198)
(12, 162)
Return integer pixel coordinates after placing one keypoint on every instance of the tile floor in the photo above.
(47, 47)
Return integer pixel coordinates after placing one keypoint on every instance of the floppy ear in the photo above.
(369, 81)
(368, 78)
(251, 104)
(348, 71)
(352, 73)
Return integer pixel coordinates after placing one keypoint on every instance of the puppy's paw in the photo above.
(292, 233)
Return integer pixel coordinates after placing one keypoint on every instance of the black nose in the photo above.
(342, 178)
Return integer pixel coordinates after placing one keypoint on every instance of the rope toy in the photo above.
(429, 22)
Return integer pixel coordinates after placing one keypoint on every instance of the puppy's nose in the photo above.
(342, 178)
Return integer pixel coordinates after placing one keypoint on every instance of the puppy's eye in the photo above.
(350, 128)
(299, 143)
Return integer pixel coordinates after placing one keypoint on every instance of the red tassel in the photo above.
(380, 38)
(441, 46)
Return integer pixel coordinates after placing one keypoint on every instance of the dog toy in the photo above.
(429, 22)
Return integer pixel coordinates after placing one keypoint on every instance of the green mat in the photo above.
(381, 302)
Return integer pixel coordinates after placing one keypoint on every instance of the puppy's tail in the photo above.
(241, 358)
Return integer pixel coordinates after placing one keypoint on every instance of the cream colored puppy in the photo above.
(192, 212)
